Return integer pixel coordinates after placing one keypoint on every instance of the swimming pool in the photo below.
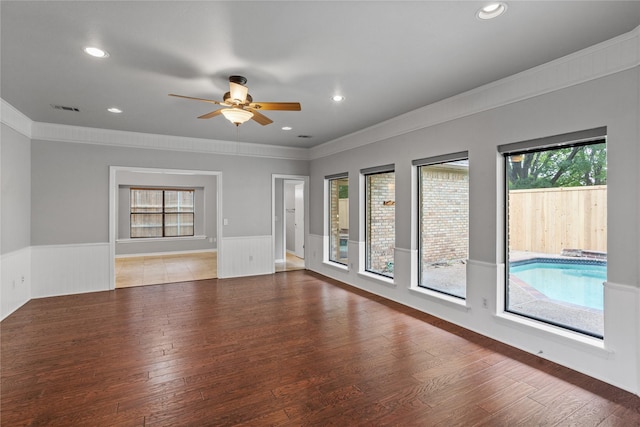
(570, 281)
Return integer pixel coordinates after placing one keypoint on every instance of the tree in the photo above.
(343, 191)
(582, 165)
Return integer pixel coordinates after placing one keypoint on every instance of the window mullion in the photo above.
(164, 214)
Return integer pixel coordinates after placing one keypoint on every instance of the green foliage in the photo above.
(565, 167)
(343, 191)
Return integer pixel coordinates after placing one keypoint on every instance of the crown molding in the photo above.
(612, 56)
(86, 135)
(13, 118)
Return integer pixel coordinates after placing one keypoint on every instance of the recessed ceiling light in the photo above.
(114, 110)
(492, 10)
(338, 98)
(96, 52)
(286, 128)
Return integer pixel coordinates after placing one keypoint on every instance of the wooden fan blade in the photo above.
(260, 118)
(282, 106)
(211, 114)
(238, 92)
(197, 99)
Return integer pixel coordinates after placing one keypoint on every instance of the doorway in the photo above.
(289, 228)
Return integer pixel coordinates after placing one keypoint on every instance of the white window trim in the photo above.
(362, 212)
(458, 303)
(416, 210)
(327, 229)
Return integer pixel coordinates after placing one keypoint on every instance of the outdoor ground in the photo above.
(451, 278)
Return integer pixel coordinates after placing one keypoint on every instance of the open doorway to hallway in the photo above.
(289, 222)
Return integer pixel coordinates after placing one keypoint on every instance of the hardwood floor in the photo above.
(158, 269)
(288, 349)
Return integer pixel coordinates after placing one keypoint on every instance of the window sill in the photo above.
(387, 281)
(336, 265)
(460, 304)
(583, 342)
(160, 239)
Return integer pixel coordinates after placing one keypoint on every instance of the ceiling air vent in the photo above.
(64, 108)
(305, 136)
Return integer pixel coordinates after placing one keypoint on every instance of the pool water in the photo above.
(575, 283)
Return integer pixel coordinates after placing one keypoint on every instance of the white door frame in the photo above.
(273, 213)
(113, 208)
(297, 238)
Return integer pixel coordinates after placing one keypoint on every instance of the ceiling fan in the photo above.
(239, 105)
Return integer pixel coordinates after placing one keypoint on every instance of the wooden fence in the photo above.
(549, 220)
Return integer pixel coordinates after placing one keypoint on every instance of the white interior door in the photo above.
(299, 220)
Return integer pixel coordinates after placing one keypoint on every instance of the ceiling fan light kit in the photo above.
(236, 115)
(240, 105)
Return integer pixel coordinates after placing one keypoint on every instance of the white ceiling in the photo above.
(385, 57)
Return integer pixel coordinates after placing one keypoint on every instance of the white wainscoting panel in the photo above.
(314, 251)
(621, 336)
(15, 290)
(485, 280)
(245, 256)
(69, 269)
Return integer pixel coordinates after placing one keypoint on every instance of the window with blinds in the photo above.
(161, 213)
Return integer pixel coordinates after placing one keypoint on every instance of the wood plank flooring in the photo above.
(286, 349)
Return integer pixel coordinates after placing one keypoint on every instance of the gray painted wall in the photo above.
(70, 188)
(15, 178)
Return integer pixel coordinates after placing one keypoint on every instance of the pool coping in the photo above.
(558, 260)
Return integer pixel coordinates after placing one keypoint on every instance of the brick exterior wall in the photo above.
(445, 217)
(381, 222)
(445, 213)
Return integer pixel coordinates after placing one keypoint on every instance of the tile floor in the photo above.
(291, 263)
(154, 270)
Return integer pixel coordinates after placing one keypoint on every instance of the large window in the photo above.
(556, 202)
(161, 212)
(380, 213)
(338, 218)
(443, 214)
